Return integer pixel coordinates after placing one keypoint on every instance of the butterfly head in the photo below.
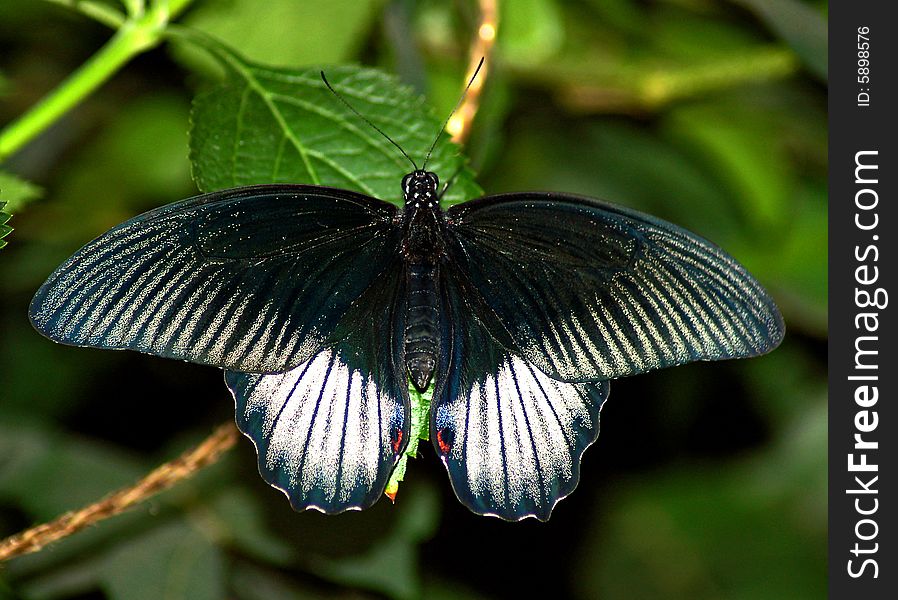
(419, 189)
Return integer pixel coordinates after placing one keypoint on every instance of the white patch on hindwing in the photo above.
(517, 433)
(325, 426)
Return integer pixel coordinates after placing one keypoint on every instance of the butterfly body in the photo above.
(422, 251)
(422, 328)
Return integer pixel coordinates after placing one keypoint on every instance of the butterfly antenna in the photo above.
(457, 104)
(362, 117)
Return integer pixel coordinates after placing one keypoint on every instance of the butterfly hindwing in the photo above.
(510, 436)
(590, 291)
(251, 279)
(328, 432)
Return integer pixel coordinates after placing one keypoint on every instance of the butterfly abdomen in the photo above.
(421, 324)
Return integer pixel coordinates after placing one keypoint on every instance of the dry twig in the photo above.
(459, 125)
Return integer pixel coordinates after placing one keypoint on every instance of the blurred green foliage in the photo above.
(708, 481)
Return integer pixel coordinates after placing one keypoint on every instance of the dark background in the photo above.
(707, 481)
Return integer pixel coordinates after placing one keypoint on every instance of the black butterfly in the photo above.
(323, 303)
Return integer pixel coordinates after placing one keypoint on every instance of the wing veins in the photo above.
(539, 471)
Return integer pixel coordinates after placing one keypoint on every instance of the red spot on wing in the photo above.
(391, 495)
(444, 446)
(397, 443)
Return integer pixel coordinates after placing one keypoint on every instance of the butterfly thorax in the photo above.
(421, 249)
(421, 218)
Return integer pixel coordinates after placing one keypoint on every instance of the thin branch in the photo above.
(163, 477)
(132, 37)
(481, 48)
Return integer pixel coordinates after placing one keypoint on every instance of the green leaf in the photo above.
(4, 228)
(305, 32)
(266, 125)
(17, 192)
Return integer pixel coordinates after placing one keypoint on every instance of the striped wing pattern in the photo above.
(298, 291)
(326, 432)
(588, 291)
(251, 279)
(511, 437)
(329, 432)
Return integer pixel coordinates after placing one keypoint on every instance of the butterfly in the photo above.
(323, 304)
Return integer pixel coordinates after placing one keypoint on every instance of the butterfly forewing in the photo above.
(252, 279)
(589, 291)
(511, 437)
(328, 432)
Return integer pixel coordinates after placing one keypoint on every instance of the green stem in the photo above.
(134, 37)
